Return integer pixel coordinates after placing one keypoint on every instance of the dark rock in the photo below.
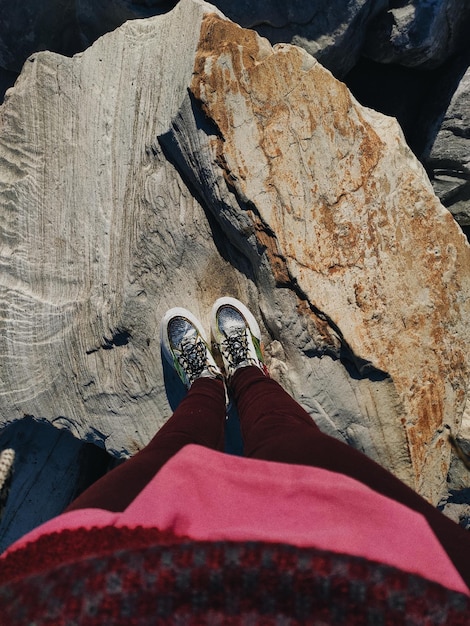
(417, 98)
(7, 80)
(419, 34)
(449, 157)
(64, 26)
(51, 468)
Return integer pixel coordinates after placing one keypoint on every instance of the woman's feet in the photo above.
(234, 330)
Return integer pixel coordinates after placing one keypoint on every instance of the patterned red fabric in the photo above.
(123, 576)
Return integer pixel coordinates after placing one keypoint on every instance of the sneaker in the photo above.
(237, 334)
(185, 347)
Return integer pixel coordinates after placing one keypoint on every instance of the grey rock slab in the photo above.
(98, 232)
(449, 158)
(100, 235)
(419, 34)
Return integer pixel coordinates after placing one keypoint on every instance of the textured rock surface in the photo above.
(450, 155)
(120, 198)
(406, 36)
(112, 232)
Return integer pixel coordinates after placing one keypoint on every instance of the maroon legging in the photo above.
(274, 428)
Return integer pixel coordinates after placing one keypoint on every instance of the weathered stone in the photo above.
(318, 217)
(459, 513)
(333, 32)
(112, 232)
(449, 159)
(419, 33)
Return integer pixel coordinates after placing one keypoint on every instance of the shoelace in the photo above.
(235, 348)
(193, 356)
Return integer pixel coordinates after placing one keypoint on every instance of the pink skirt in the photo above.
(209, 495)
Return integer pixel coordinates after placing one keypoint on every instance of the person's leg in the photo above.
(276, 428)
(199, 419)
